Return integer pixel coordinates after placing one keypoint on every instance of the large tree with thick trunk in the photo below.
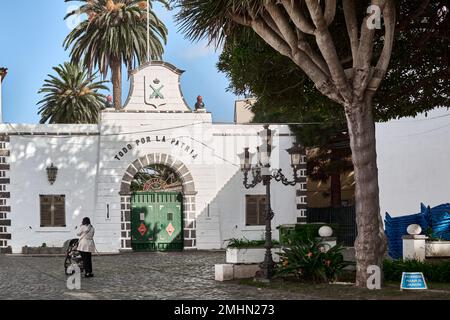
(285, 95)
(289, 26)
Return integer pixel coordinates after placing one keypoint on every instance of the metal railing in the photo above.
(344, 217)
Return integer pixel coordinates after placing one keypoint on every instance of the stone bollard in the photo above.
(224, 272)
(328, 243)
(414, 247)
(326, 239)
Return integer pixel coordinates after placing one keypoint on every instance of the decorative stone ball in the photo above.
(414, 229)
(325, 232)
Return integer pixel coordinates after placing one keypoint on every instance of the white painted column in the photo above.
(414, 247)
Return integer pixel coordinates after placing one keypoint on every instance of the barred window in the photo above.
(255, 210)
(53, 210)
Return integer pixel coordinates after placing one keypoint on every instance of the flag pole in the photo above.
(148, 30)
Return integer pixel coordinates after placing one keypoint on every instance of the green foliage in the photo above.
(309, 260)
(300, 232)
(115, 30)
(438, 271)
(245, 243)
(163, 173)
(417, 80)
(286, 95)
(72, 96)
(429, 233)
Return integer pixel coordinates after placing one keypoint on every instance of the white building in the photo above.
(155, 137)
(414, 162)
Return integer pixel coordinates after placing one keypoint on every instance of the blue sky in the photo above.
(32, 33)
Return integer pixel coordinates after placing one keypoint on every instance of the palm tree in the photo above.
(115, 33)
(72, 96)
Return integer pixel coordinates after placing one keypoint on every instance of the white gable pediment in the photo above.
(155, 86)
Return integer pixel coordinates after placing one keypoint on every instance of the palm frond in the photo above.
(71, 96)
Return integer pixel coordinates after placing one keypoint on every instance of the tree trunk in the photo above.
(336, 187)
(116, 79)
(370, 244)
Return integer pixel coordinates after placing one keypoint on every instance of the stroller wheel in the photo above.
(67, 264)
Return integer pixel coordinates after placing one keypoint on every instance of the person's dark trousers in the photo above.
(87, 262)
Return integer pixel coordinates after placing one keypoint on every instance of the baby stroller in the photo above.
(73, 256)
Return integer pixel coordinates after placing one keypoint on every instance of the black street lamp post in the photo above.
(261, 172)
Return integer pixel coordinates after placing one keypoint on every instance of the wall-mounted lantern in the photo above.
(52, 173)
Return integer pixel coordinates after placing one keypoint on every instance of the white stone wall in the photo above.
(97, 163)
(156, 87)
(230, 198)
(76, 158)
(120, 130)
(413, 162)
(90, 175)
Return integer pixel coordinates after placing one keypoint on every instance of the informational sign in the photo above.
(413, 281)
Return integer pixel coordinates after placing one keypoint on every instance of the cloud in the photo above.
(200, 50)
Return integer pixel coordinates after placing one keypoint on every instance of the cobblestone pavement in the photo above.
(177, 276)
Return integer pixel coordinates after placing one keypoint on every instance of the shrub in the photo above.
(437, 271)
(308, 260)
(245, 243)
(301, 232)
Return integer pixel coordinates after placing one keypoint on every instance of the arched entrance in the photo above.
(157, 199)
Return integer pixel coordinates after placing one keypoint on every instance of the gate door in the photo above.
(156, 222)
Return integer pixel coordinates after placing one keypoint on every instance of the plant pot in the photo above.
(250, 255)
(435, 249)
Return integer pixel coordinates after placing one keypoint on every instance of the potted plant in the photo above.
(244, 251)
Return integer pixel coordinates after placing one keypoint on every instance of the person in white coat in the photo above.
(86, 245)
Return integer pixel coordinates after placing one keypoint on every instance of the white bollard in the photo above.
(327, 241)
(414, 247)
(224, 272)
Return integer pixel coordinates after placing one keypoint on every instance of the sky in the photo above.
(31, 37)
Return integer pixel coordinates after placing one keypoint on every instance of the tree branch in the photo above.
(295, 13)
(321, 80)
(352, 25)
(271, 23)
(242, 20)
(328, 50)
(362, 63)
(296, 41)
(282, 23)
(330, 11)
(389, 14)
(271, 37)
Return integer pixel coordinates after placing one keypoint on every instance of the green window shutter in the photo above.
(46, 211)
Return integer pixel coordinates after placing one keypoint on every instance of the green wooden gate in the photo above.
(156, 221)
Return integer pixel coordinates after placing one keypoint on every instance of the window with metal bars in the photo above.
(53, 210)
